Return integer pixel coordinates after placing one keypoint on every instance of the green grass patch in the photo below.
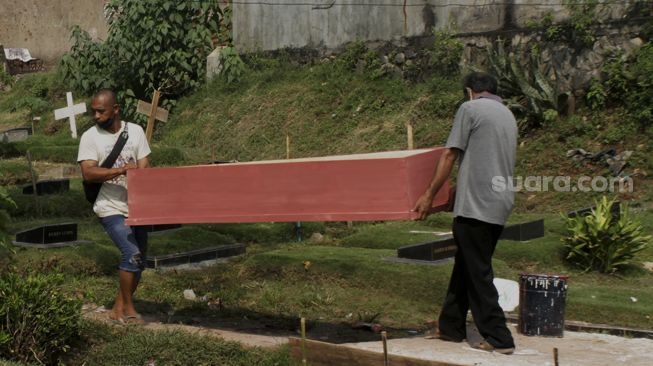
(14, 172)
(133, 346)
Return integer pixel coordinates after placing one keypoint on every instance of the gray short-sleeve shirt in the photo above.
(485, 132)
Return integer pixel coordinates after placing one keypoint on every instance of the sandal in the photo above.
(133, 319)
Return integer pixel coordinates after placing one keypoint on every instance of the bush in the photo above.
(151, 45)
(37, 321)
(446, 53)
(602, 242)
(5, 249)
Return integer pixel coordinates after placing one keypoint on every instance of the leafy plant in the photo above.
(596, 95)
(6, 203)
(583, 14)
(6, 79)
(151, 45)
(601, 242)
(446, 53)
(524, 84)
(39, 320)
(233, 66)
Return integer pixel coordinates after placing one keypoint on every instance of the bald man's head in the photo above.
(106, 94)
(105, 110)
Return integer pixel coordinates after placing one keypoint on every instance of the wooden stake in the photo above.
(555, 357)
(303, 329)
(287, 146)
(31, 172)
(152, 116)
(409, 133)
(384, 338)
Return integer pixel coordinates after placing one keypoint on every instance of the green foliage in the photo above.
(167, 156)
(6, 79)
(39, 320)
(600, 242)
(151, 45)
(140, 347)
(522, 82)
(14, 172)
(6, 203)
(630, 81)
(233, 66)
(596, 95)
(446, 53)
(583, 15)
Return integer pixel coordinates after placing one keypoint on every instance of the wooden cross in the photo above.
(149, 110)
(69, 112)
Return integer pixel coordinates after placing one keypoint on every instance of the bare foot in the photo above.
(116, 314)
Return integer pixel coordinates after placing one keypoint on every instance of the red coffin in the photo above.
(362, 187)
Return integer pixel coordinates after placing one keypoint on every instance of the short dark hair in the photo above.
(108, 93)
(480, 82)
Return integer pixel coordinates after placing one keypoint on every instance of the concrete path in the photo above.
(574, 348)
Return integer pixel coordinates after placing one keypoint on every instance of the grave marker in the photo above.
(431, 251)
(69, 112)
(43, 187)
(16, 134)
(524, 231)
(195, 256)
(153, 113)
(49, 236)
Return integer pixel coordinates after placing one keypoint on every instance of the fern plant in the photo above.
(602, 242)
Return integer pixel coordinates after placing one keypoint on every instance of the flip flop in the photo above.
(133, 319)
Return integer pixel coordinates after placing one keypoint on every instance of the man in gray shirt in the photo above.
(484, 139)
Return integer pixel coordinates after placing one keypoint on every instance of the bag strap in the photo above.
(117, 148)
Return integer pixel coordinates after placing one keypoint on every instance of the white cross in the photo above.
(69, 112)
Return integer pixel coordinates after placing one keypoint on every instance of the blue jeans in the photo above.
(131, 240)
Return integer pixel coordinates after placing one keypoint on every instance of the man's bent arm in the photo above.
(91, 172)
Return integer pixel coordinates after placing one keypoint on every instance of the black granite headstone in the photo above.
(162, 227)
(615, 210)
(195, 256)
(47, 235)
(48, 187)
(431, 251)
(524, 231)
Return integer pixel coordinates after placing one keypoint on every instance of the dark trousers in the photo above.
(472, 287)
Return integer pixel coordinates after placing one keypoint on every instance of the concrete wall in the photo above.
(43, 26)
(270, 27)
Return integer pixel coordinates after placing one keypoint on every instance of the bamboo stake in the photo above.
(555, 356)
(31, 172)
(384, 338)
(409, 133)
(303, 329)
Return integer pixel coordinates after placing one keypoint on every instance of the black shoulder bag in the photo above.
(92, 189)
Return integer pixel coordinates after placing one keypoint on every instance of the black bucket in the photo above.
(542, 305)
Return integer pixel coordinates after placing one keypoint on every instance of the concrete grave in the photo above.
(161, 228)
(49, 236)
(43, 187)
(195, 256)
(431, 251)
(16, 134)
(524, 231)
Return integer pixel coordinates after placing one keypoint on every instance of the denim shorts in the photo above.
(131, 240)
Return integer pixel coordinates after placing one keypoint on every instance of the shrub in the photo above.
(5, 249)
(446, 53)
(602, 242)
(37, 321)
(151, 45)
